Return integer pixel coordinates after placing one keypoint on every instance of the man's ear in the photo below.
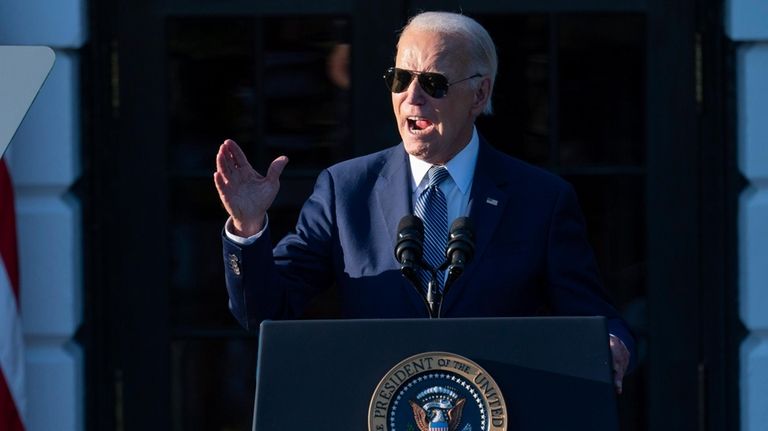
(482, 94)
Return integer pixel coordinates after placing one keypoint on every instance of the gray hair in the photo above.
(481, 46)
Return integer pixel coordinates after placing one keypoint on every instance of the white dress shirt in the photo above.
(456, 188)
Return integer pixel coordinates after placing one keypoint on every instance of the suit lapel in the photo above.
(487, 202)
(392, 192)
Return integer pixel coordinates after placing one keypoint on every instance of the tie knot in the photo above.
(436, 175)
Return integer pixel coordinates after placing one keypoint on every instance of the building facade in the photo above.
(81, 328)
(746, 26)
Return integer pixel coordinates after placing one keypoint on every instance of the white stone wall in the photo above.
(44, 159)
(747, 25)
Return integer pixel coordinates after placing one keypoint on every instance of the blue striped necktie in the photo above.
(432, 209)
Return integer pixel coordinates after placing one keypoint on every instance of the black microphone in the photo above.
(409, 247)
(460, 249)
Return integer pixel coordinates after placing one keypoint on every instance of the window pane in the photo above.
(277, 85)
(519, 125)
(213, 383)
(306, 83)
(601, 89)
(210, 87)
(614, 209)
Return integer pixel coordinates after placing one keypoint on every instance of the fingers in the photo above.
(223, 188)
(620, 356)
(618, 380)
(236, 154)
(276, 168)
(618, 376)
(225, 162)
(230, 160)
(221, 184)
(232, 163)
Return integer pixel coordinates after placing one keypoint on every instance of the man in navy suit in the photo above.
(532, 256)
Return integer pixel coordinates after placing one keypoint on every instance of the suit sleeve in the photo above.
(573, 282)
(278, 284)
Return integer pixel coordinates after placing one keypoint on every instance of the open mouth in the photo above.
(419, 125)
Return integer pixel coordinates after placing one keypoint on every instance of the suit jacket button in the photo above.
(234, 264)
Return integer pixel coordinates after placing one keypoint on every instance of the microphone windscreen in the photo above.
(410, 222)
(463, 223)
(461, 241)
(410, 239)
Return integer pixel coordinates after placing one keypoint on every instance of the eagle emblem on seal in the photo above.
(437, 409)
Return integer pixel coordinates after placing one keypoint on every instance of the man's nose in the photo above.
(415, 95)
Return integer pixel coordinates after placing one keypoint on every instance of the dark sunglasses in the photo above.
(434, 84)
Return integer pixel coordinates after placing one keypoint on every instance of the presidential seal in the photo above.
(437, 391)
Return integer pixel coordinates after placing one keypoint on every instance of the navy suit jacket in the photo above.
(532, 256)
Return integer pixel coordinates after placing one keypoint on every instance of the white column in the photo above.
(44, 159)
(747, 24)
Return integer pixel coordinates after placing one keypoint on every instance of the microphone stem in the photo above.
(434, 296)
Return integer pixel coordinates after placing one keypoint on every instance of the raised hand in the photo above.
(245, 194)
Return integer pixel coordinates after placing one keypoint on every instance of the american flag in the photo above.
(12, 393)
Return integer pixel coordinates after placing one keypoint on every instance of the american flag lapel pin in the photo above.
(492, 201)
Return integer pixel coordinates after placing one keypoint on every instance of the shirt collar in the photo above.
(461, 167)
